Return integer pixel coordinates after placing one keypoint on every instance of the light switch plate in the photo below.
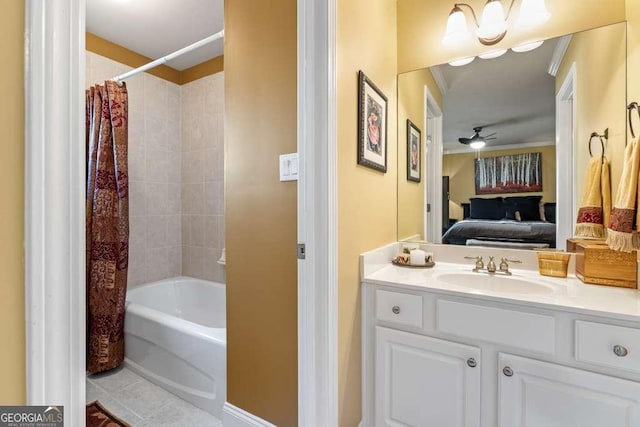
(289, 167)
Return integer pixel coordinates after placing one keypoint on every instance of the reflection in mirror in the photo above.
(506, 141)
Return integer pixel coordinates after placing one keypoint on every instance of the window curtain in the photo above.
(107, 229)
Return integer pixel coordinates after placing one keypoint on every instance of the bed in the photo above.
(511, 222)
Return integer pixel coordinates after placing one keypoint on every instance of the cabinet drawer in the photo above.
(396, 307)
(596, 343)
(529, 331)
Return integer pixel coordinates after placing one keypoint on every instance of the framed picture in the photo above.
(413, 152)
(372, 125)
(518, 173)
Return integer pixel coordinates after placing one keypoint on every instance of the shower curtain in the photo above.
(107, 225)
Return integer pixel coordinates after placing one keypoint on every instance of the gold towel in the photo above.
(621, 235)
(595, 208)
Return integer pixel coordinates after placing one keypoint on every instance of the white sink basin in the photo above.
(496, 283)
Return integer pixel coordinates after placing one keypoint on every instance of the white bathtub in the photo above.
(175, 336)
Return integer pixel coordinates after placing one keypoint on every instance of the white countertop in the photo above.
(569, 294)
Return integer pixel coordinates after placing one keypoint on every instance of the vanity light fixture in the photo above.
(492, 28)
(462, 61)
(493, 54)
(526, 47)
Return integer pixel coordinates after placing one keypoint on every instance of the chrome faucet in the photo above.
(491, 265)
(503, 268)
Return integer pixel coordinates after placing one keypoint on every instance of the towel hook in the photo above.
(605, 135)
(631, 107)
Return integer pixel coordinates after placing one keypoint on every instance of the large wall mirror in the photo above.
(504, 142)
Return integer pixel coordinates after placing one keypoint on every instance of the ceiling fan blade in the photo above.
(491, 134)
(489, 139)
(465, 141)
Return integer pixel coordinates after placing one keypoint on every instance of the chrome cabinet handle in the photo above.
(396, 309)
(471, 362)
(620, 350)
(507, 371)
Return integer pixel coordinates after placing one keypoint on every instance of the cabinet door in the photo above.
(539, 394)
(422, 381)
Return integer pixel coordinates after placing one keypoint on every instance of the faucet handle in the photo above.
(504, 266)
(479, 262)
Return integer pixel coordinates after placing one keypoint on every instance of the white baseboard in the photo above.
(232, 416)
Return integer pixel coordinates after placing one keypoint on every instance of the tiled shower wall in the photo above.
(203, 177)
(158, 197)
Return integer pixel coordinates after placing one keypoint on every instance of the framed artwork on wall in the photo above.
(414, 157)
(372, 125)
(518, 173)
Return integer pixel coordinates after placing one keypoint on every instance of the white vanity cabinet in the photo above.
(540, 394)
(423, 381)
(433, 358)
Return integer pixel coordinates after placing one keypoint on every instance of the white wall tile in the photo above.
(176, 171)
(156, 231)
(174, 230)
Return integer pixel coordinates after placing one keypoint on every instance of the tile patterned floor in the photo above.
(142, 403)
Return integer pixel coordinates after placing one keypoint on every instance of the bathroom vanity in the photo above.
(449, 347)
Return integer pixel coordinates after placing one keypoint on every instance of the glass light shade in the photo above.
(526, 47)
(532, 13)
(457, 30)
(493, 21)
(476, 145)
(493, 54)
(463, 61)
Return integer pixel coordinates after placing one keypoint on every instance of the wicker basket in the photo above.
(553, 263)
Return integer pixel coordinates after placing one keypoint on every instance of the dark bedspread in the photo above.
(501, 230)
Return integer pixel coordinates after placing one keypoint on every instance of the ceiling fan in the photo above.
(477, 141)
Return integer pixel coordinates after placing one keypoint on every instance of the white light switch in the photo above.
(289, 167)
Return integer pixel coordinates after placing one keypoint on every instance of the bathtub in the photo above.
(175, 336)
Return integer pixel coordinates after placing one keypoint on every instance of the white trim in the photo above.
(566, 129)
(433, 161)
(317, 215)
(558, 54)
(439, 78)
(232, 416)
(54, 206)
(487, 148)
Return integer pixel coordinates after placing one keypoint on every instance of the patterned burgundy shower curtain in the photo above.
(107, 224)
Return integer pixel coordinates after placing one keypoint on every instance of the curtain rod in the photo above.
(167, 58)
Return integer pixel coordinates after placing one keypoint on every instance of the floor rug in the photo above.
(98, 416)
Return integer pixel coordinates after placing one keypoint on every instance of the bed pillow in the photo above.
(550, 212)
(486, 208)
(528, 208)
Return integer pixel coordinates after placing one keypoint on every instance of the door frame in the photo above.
(317, 215)
(54, 205)
(55, 209)
(433, 161)
(566, 134)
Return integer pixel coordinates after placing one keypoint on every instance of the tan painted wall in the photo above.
(366, 198)
(460, 167)
(421, 25)
(12, 354)
(260, 124)
(633, 54)
(411, 106)
(599, 55)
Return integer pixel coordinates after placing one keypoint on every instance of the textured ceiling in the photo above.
(156, 28)
(512, 95)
